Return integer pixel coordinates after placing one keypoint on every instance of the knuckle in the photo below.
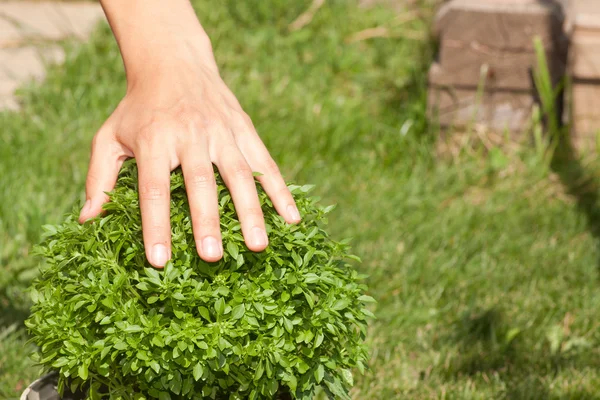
(103, 134)
(213, 124)
(271, 167)
(156, 232)
(242, 170)
(245, 118)
(92, 177)
(228, 150)
(152, 134)
(92, 183)
(208, 221)
(284, 192)
(106, 147)
(252, 212)
(96, 141)
(153, 191)
(156, 229)
(191, 119)
(145, 137)
(99, 142)
(201, 178)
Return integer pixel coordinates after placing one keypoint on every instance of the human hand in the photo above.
(180, 112)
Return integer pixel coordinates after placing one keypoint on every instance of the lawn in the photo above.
(484, 258)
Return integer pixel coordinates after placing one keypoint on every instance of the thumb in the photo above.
(105, 163)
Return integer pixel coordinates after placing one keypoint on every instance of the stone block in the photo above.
(501, 24)
(504, 69)
(499, 34)
(585, 113)
(584, 69)
(500, 110)
(585, 55)
(489, 44)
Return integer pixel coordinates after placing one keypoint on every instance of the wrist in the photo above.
(154, 35)
(168, 57)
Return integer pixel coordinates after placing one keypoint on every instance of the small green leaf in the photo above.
(232, 249)
(238, 312)
(60, 362)
(347, 375)
(292, 382)
(204, 313)
(155, 366)
(258, 373)
(319, 373)
(202, 345)
(340, 304)
(220, 306)
(133, 328)
(309, 300)
(198, 371)
(366, 299)
(176, 383)
(319, 339)
(120, 346)
(83, 371)
(367, 312)
(105, 352)
(287, 324)
(49, 230)
(329, 208)
(152, 274)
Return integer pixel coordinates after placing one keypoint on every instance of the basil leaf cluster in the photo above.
(268, 325)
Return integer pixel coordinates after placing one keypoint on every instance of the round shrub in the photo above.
(268, 325)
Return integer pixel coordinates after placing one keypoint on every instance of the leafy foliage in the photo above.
(253, 325)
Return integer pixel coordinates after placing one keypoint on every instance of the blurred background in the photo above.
(479, 234)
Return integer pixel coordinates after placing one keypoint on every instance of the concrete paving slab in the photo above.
(18, 65)
(22, 21)
(28, 34)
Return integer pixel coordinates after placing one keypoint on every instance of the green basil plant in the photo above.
(271, 325)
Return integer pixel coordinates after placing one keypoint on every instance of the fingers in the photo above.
(260, 160)
(202, 195)
(238, 177)
(275, 187)
(105, 163)
(154, 191)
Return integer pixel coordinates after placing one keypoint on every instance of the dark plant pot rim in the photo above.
(45, 388)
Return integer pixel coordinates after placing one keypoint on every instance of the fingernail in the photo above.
(159, 255)
(86, 208)
(293, 212)
(211, 248)
(259, 237)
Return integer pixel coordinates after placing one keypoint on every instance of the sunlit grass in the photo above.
(485, 263)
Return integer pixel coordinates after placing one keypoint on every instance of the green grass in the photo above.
(485, 267)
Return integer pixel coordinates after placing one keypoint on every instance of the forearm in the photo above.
(156, 34)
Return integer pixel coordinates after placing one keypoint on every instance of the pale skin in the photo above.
(177, 111)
